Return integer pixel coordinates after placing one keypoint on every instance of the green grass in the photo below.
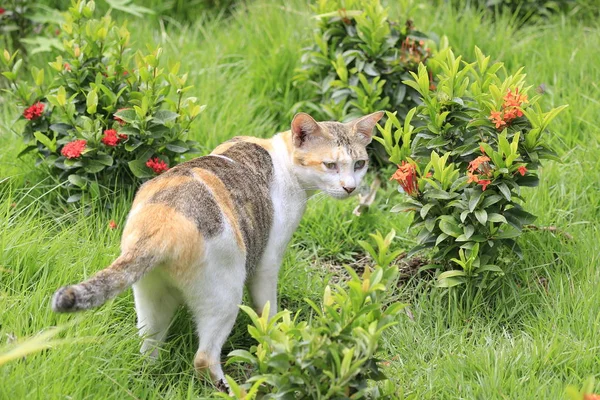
(528, 341)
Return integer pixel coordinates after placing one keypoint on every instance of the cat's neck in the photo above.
(282, 153)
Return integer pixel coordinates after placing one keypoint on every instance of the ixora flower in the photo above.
(157, 165)
(522, 170)
(484, 183)
(406, 177)
(74, 149)
(2, 10)
(34, 112)
(481, 163)
(511, 109)
(111, 137)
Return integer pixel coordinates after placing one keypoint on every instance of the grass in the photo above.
(539, 334)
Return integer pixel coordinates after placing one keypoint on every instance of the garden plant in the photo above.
(103, 117)
(479, 139)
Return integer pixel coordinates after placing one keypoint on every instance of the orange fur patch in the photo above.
(162, 230)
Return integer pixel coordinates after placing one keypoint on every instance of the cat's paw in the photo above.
(223, 386)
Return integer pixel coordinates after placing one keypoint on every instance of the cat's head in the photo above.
(332, 156)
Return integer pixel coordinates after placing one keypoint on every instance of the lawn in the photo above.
(530, 340)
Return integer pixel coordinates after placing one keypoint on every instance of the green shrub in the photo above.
(105, 117)
(533, 10)
(332, 355)
(27, 22)
(359, 60)
(479, 140)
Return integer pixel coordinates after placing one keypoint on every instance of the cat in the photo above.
(199, 232)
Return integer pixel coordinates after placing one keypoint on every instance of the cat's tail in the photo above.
(106, 284)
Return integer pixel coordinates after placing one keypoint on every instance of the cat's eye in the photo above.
(359, 164)
(330, 165)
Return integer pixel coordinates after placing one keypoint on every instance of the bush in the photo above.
(359, 60)
(333, 355)
(105, 118)
(479, 141)
(27, 22)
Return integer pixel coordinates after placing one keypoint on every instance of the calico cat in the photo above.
(202, 230)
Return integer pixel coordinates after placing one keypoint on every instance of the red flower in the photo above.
(34, 112)
(157, 165)
(74, 149)
(112, 224)
(67, 67)
(111, 138)
(2, 10)
(522, 170)
(407, 178)
(481, 149)
(484, 183)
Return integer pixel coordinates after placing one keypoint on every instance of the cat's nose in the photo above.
(349, 189)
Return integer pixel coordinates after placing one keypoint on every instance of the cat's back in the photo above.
(230, 189)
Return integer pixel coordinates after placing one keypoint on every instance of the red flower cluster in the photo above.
(34, 112)
(111, 137)
(157, 165)
(74, 149)
(2, 10)
(482, 165)
(522, 170)
(511, 109)
(406, 176)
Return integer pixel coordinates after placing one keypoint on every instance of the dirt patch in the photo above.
(407, 267)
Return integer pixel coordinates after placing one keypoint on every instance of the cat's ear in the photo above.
(304, 128)
(364, 126)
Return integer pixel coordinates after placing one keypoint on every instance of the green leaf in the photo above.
(127, 115)
(77, 180)
(481, 216)
(450, 228)
(164, 116)
(177, 147)
(494, 217)
(104, 159)
(504, 190)
(45, 140)
(139, 169)
(426, 209)
(92, 102)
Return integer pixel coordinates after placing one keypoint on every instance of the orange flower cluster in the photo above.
(482, 165)
(511, 109)
(406, 176)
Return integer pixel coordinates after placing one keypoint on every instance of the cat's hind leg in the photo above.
(214, 300)
(155, 303)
